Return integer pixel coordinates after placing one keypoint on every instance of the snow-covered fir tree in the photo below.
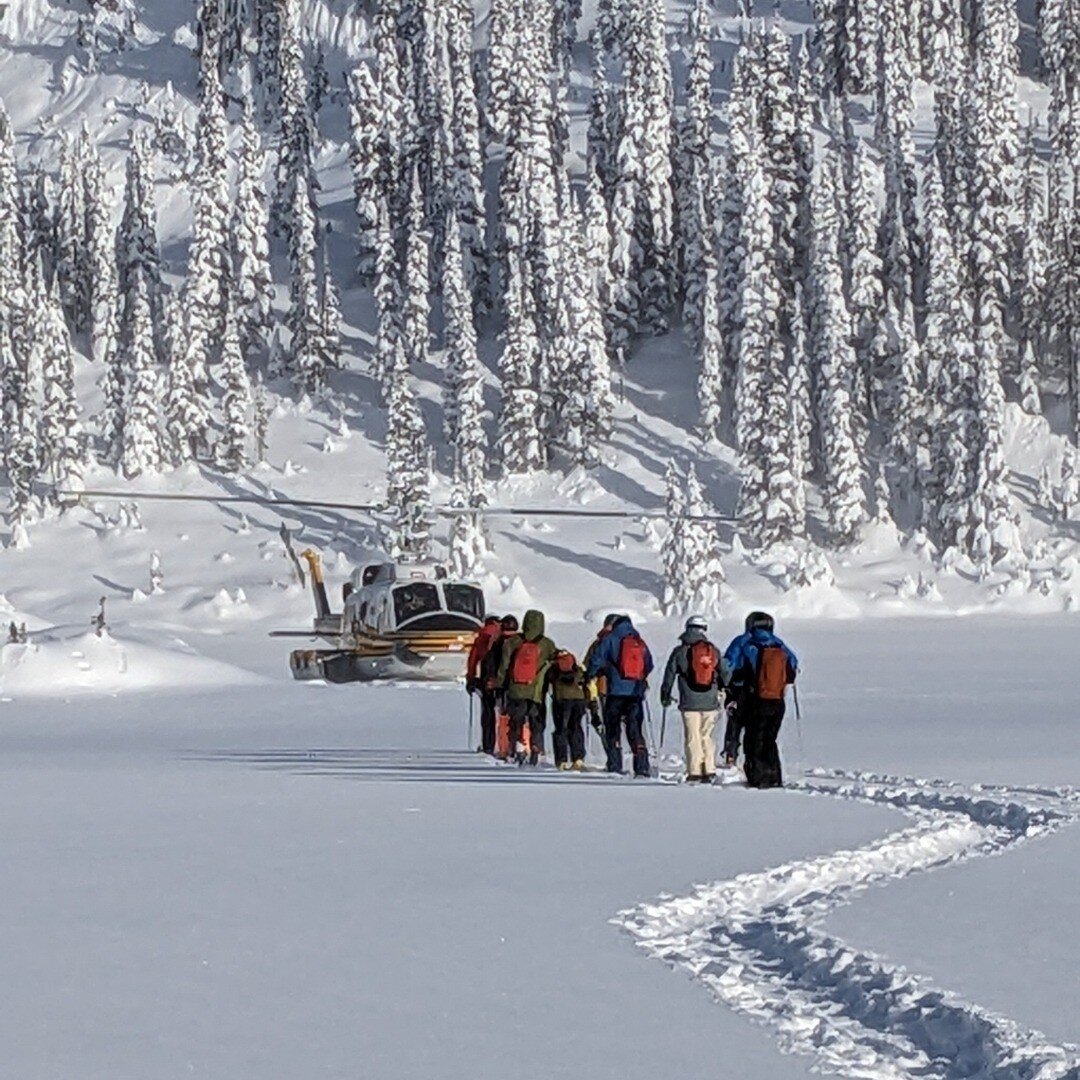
(520, 445)
(206, 288)
(693, 571)
(236, 402)
(9, 207)
(408, 470)
(582, 371)
(463, 390)
(368, 166)
(692, 172)
(71, 241)
(416, 307)
(37, 224)
(252, 280)
(770, 499)
(832, 357)
(103, 300)
(294, 167)
(140, 441)
(467, 182)
(60, 430)
(138, 256)
(865, 294)
(642, 199)
(307, 359)
(20, 433)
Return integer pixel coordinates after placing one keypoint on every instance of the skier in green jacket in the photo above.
(526, 658)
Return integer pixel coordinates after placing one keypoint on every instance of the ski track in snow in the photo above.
(756, 944)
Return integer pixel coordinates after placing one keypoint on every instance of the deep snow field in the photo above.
(209, 870)
(258, 878)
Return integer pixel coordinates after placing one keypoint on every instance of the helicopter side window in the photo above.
(465, 600)
(412, 601)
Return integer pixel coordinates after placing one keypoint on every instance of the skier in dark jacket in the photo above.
(761, 667)
(476, 684)
(523, 672)
(597, 687)
(625, 662)
(566, 679)
(695, 663)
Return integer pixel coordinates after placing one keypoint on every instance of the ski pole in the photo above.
(652, 737)
(798, 727)
(470, 744)
(663, 727)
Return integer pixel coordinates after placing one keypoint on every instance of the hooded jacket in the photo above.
(678, 668)
(605, 661)
(741, 658)
(489, 633)
(532, 629)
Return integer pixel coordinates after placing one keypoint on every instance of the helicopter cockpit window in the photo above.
(465, 600)
(412, 601)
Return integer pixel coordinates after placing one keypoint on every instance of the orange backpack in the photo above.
(772, 673)
(702, 665)
(526, 664)
(632, 658)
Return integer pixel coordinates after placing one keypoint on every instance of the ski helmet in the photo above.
(759, 620)
(509, 622)
(697, 622)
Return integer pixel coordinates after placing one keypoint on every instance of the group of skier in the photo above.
(515, 669)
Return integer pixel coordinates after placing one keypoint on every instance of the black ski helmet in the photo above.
(759, 620)
(509, 622)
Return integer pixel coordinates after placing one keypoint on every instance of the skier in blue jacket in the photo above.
(761, 667)
(624, 660)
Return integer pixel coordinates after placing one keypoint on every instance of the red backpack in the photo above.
(526, 664)
(632, 653)
(772, 677)
(703, 661)
(565, 662)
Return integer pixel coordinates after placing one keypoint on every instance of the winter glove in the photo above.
(665, 703)
(472, 685)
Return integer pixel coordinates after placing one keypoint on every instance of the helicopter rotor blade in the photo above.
(259, 500)
(374, 508)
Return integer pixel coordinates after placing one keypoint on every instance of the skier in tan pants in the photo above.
(697, 666)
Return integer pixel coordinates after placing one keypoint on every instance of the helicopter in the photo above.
(398, 620)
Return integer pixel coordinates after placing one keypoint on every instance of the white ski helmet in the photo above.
(697, 622)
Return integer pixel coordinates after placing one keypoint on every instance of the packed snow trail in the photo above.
(754, 941)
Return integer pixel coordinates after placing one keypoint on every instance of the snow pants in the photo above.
(733, 732)
(700, 747)
(531, 714)
(762, 720)
(488, 707)
(628, 713)
(568, 734)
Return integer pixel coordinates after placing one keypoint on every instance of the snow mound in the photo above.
(88, 664)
